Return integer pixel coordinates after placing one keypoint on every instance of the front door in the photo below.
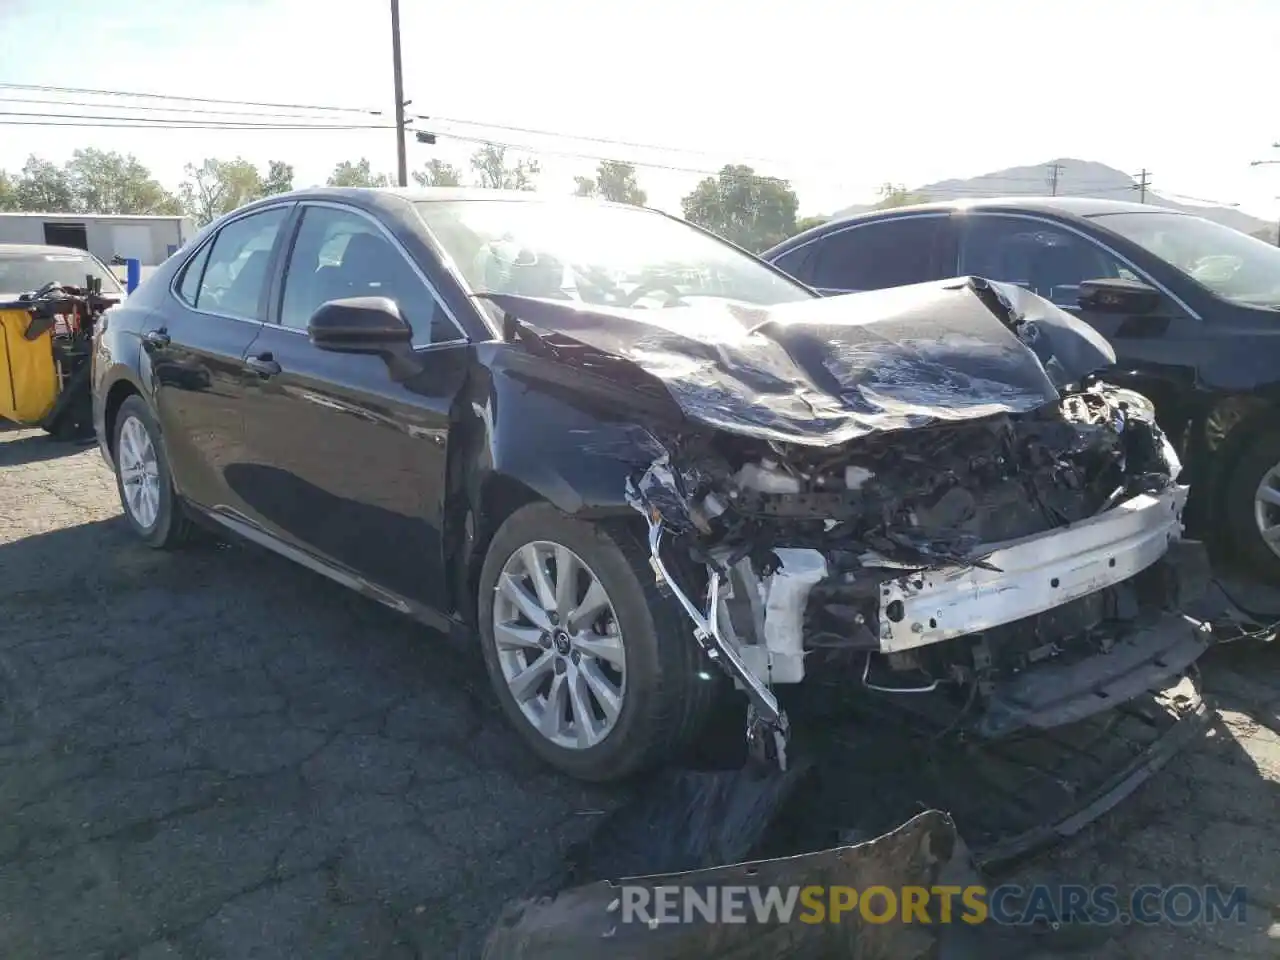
(1053, 261)
(348, 460)
(195, 352)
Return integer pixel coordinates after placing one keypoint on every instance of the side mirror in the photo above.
(358, 325)
(1113, 295)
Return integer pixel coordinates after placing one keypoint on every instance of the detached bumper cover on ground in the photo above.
(588, 922)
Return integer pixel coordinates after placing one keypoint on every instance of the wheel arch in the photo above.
(1222, 436)
(119, 391)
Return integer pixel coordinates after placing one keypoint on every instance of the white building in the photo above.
(151, 239)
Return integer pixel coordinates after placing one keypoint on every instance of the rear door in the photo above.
(195, 348)
(876, 254)
(347, 461)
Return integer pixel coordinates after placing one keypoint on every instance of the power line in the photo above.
(1183, 196)
(539, 132)
(175, 123)
(139, 108)
(134, 123)
(42, 88)
(574, 155)
(527, 148)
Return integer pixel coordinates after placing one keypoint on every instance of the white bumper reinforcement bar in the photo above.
(1035, 573)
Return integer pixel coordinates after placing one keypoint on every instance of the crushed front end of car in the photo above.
(932, 479)
(931, 492)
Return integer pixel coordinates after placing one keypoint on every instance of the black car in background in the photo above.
(1191, 307)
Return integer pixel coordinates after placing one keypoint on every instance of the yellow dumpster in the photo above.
(28, 374)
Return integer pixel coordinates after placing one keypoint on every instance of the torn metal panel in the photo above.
(826, 371)
(586, 922)
(1030, 575)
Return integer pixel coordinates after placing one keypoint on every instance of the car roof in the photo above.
(40, 250)
(367, 196)
(1069, 206)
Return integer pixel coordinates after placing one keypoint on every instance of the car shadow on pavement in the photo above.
(1207, 819)
(215, 753)
(36, 448)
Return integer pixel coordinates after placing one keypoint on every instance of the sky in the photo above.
(836, 97)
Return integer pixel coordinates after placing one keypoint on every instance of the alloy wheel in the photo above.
(1266, 508)
(559, 645)
(139, 473)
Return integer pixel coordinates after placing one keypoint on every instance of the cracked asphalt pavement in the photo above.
(215, 753)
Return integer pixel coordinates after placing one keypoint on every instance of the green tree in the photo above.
(614, 181)
(43, 187)
(896, 195)
(752, 211)
(358, 174)
(437, 173)
(8, 192)
(492, 169)
(219, 186)
(109, 182)
(279, 178)
(808, 223)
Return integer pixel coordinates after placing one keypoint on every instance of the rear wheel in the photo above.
(594, 668)
(1252, 507)
(151, 506)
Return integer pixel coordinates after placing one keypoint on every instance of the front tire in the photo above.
(143, 480)
(596, 670)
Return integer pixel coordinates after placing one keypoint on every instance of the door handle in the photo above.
(264, 365)
(156, 338)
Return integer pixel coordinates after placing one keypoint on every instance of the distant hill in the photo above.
(1076, 178)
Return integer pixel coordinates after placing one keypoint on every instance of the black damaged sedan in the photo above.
(644, 466)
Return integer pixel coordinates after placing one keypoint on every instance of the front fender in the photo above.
(573, 450)
(522, 434)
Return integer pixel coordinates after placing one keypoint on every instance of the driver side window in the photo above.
(1038, 256)
(339, 254)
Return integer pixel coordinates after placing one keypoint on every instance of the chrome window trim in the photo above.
(211, 239)
(835, 231)
(1062, 225)
(391, 238)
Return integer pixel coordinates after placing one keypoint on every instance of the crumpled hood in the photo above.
(825, 371)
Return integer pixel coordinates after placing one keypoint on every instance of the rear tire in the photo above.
(1246, 512)
(151, 506)
(664, 701)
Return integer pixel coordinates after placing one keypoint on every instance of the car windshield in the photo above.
(596, 253)
(28, 272)
(1231, 264)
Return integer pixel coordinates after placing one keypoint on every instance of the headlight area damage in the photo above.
(930, 479)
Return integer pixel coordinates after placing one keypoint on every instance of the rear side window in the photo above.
(191, 275)
(888, 253)
(236, 269)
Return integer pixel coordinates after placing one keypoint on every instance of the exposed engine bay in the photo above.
(931, 482)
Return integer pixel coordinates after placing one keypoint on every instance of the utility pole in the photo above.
(402, 168)
(1144, 180)
(1054, 170)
